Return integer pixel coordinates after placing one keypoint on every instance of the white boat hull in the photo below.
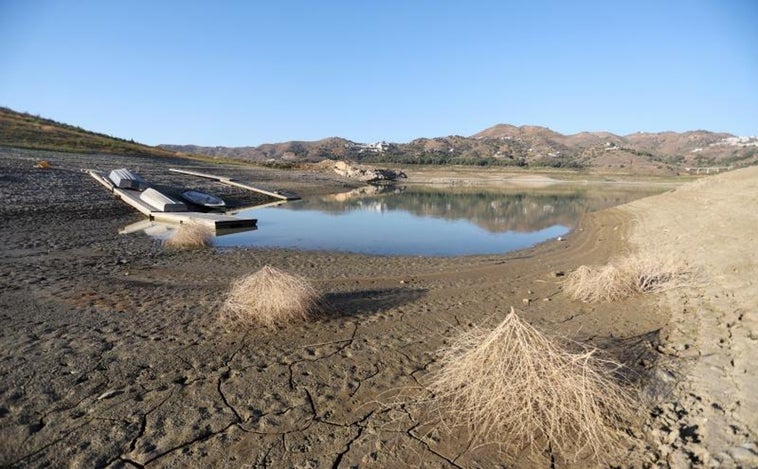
(161, 202)
(203, 199)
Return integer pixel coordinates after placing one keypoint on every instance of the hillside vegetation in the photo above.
(21, 130)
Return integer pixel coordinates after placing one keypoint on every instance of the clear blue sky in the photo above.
(239, 73)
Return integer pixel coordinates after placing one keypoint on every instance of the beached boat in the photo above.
(161, 202)
(125, 179)
(203, 199)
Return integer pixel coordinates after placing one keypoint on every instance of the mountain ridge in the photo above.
(500, 145)
(526, 145)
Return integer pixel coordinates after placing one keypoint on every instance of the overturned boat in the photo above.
(161, 202)
(125, 179)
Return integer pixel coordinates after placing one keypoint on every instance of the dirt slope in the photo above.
(712, 339)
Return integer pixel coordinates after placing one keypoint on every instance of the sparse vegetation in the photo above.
(624, 277)
(514, 387)
(190, 236)
(744, 157)
(567, 161)
(23, 130)
(279, 164)
(270, 297)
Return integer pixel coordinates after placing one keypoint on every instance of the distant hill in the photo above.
(328, 148)
(21, 130)
(500, 145)
(508, 145)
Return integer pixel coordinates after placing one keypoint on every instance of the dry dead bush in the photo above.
(190, 236)
(624, 277)
(269, 297)
(599, 283)
(514, 387)
(654, 274)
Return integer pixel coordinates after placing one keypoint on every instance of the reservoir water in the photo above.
(424, 221)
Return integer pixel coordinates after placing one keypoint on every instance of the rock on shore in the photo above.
(365, 174)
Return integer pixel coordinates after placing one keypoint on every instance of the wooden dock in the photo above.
(214, 221)
(235, 183)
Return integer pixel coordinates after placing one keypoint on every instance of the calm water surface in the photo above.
(418, 221)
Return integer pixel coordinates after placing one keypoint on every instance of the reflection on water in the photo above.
(162, 230)
(417, 221)
(494, 212)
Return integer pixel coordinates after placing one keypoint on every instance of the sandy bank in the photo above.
(711, 340)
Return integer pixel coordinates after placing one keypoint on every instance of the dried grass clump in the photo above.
(515, 387)
(652, 275)
(624, 277)
(603, 283)
(269, 297)
(190, 236)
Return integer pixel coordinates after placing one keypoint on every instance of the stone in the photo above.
(701, 454)
(367, 174)
(744, 456)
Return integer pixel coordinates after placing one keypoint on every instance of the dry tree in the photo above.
(190, 236)
(515, 387)
(269, 297)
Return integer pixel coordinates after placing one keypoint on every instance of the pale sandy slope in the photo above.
(711, 417)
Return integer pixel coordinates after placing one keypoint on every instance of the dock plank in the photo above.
(233, 182)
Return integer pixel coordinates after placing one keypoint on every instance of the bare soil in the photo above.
(710, 345)
(112, 354)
